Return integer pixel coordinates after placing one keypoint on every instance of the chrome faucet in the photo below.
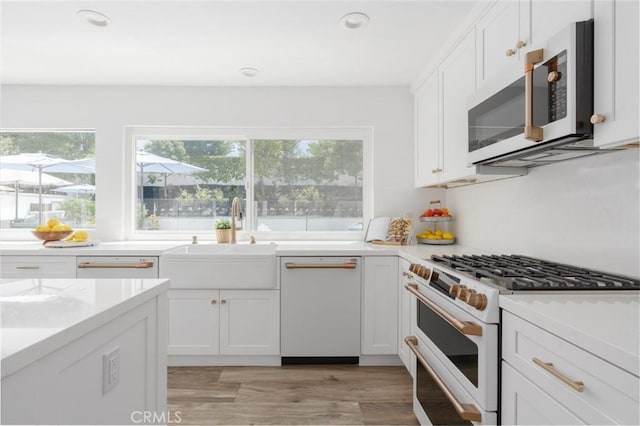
(236, 210)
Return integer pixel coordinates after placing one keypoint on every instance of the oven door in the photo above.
(438, 398)
(467, 347)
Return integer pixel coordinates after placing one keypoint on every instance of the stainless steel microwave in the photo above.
(544, 115)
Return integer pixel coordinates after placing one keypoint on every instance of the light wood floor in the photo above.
(291, 395)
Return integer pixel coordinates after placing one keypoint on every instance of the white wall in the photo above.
(583, 212)
(388, 110)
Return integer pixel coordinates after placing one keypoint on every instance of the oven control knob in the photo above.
(458, 291)
(476, 300)
(425, 272)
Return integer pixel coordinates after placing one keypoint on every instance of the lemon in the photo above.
(42, 228)
(66, 227)
(448, 236)
(53, 222)
(438, 232)
(81, 236)
(58, 228)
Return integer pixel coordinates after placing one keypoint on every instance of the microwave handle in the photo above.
(531, 132)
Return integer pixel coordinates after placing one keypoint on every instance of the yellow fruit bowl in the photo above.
(47, 236)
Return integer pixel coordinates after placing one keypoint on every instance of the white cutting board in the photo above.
(67, 244)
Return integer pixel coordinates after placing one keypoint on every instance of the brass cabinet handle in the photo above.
(520, 44)
(549, 368)
(348, 265)
(531, 132)
(222, 302)
(466, 411)
(140, 265)
(214, 301)
(27, 267)
(510, 52)
(597, 119)
(465, 327)
(434, 171)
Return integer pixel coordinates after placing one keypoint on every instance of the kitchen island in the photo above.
(83, 351)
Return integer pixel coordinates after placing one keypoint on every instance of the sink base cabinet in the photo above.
(205, 323)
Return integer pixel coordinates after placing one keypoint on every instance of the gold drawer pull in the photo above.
(466, 411)
(549, 368)
(465, 327)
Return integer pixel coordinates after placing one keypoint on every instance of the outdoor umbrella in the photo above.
(77, 189)
(40, 161)
(27, 177)
(152, 163)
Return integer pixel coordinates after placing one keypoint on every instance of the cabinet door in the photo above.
(499, 31)
(616, 71)
(404, 314)
(457, 82)
(193, 322)
(523, 403)
(380, 306)
(427, 125)
(249, 322)
(37, 266)
(549, 17)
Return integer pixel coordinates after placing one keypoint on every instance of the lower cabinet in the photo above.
(38, 266)
(404, 315)
(525, 403)
(547, 380)
(224, 322)
(380, 306)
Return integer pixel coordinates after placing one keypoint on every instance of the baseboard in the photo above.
(312, 360)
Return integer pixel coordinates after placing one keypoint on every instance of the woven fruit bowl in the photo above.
(47, 236)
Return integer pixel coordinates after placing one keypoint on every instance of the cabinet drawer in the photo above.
(609, 394)
(38, 266)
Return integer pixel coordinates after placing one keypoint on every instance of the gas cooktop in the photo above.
(516, 272)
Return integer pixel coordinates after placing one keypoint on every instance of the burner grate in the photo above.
(517, 272)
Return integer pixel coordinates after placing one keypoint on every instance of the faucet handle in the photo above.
(194, 239)
(252, 240)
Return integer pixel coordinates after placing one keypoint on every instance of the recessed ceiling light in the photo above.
(354, 20)
(249, 72)
(94, 18)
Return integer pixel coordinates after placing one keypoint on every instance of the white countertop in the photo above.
(39, 316)
(283, 248)
(605, 324)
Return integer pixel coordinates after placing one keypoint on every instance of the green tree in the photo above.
(67, 145)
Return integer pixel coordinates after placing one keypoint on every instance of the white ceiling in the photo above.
(293, 43)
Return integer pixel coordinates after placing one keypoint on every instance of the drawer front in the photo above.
(609, 394)
(38, 266)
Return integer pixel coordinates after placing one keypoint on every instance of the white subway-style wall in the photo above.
(108, 109)
(583, 212)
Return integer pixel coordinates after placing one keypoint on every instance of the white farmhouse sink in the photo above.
(220, 266)
(222, 250)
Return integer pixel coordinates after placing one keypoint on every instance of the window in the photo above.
(287, 185)
(46, 174)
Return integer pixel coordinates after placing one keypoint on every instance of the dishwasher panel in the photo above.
(116, 267)
(320, 306)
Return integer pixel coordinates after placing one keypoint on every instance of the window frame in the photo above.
(248, 134)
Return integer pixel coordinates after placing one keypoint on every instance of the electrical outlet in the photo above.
(110, 370)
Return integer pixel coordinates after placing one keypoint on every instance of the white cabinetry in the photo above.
(502, 33)
(616, 72)
(404, 315)
(548, 380)
(427, 141)
(37, 266)
(512, 27)
(380, 306)
(442, 123)
(224, 322)
(525, 403)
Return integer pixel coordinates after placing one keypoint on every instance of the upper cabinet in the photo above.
(441, 121)
(550, 17)
(502, 33)
(427, 139)
(616, 73)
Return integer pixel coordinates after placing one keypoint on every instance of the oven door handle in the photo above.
(465, 327)
(467, 412)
